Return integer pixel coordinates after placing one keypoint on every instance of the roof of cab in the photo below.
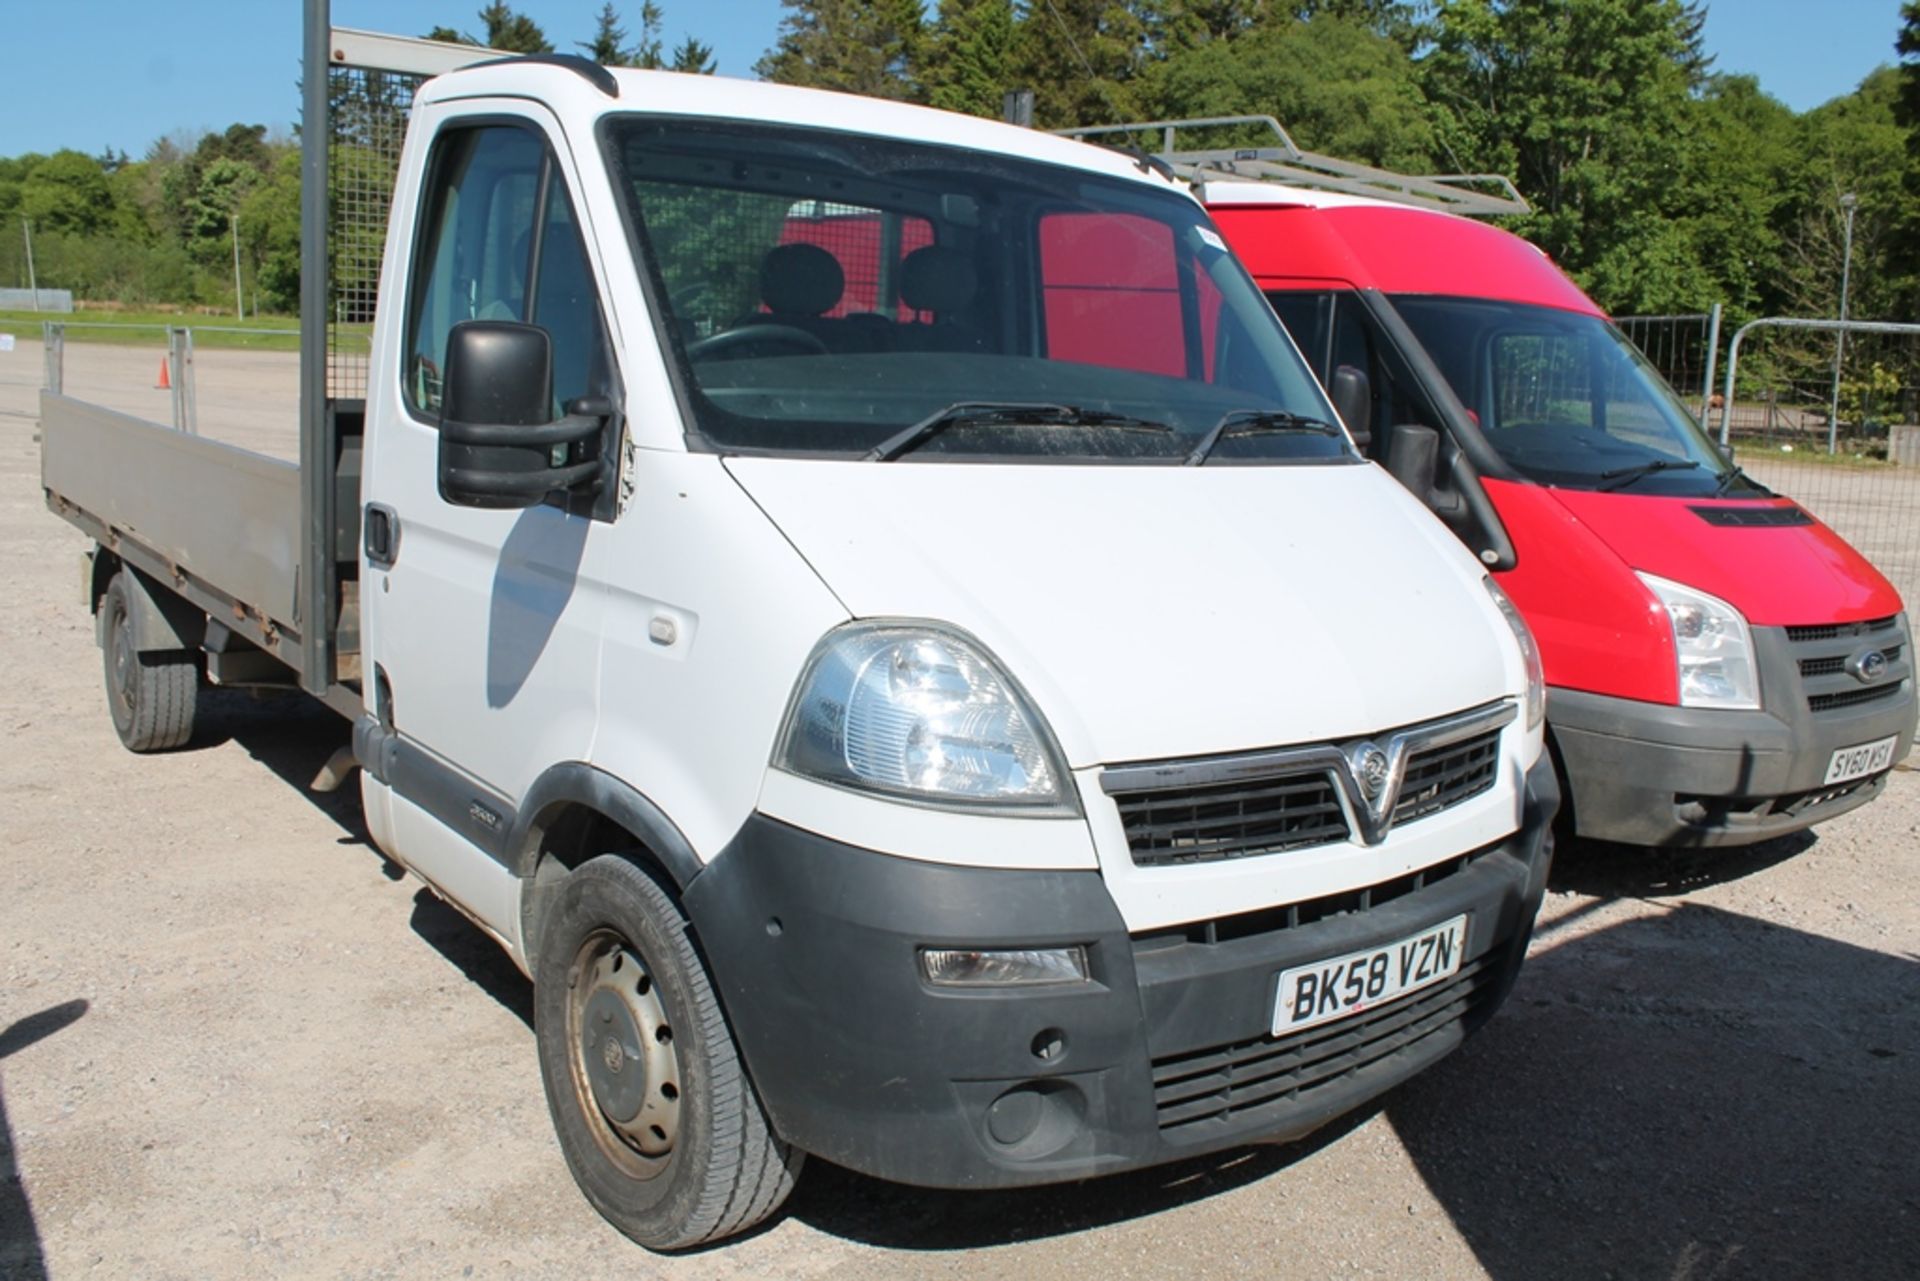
(1292, 235)
(572, 95)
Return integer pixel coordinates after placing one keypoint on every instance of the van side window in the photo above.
(480, 255)
(473, 261)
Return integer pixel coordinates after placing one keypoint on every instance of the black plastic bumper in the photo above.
(1166, 1053)
(1649, 774)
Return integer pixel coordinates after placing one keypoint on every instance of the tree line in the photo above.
(1660, 184)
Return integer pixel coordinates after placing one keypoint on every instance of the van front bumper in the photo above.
(1651, 774)
(1166, 1052)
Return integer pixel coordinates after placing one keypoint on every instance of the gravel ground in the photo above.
(235, 1042)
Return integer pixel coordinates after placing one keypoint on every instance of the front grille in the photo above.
(1230, 1083)
(1834, 631)
(1853, 697)
(1836, 663)
(1444, 776)
(1208, 822)
(1240, 805)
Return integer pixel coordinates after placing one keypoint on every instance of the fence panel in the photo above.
(1684, 349)
(1831, 418)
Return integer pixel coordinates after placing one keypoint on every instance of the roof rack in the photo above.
(1474, 194)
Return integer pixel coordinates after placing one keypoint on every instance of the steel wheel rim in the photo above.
(121, 658)
(626, 1075)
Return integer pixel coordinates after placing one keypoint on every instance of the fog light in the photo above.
(1021, 967)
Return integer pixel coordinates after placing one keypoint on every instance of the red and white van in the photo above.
(1722, 667)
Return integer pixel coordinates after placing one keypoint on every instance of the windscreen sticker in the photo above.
(1210, 238)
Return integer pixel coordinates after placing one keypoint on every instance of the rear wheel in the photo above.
(654, 1111)
(151, 696)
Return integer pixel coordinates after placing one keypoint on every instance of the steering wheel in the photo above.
(749, 335)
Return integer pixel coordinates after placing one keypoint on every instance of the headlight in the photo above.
(922, 713)
(1529, 654)
(1714, 648)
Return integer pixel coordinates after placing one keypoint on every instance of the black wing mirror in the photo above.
(1353, 398)
(500, 445)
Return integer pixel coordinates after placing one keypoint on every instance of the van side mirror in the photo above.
(500, 445)
(1353, 398)
(1413, 459)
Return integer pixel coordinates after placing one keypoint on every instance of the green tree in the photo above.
(609, 44)
(693, 57)
(859, 46)
(1336, 84)
(66, 192)
(1081, 59)
(1583, 103)
(511, 31)
(968, 56)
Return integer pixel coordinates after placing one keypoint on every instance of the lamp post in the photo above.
(1848, 202)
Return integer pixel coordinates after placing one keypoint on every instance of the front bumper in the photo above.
(1165, 1054)
(1650, 774)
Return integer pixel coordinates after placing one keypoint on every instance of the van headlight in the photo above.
(923, 713)
(1713, 647)
(1529, 654)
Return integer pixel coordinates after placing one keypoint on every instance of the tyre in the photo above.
(151, 696)
(653, 1108)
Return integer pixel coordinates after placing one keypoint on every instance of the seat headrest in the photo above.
(938, 279)
(800, 280)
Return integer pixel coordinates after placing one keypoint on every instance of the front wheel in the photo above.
(653, 1108)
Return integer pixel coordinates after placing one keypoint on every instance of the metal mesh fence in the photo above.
(1682, 349)
(368, 112)
(1832, 420)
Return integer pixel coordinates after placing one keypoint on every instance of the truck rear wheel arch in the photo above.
(162, 620)
(574, 812)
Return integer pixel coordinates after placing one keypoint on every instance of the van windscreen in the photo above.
(1567, 399)
(821, 292)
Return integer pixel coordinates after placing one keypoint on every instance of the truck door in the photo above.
(483, 627)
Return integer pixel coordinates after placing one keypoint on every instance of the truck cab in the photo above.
(1722, 667)
(872, 613)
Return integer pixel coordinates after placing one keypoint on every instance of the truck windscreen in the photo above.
(1567, 399)
(824, 292)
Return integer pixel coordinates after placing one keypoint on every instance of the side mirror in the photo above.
(500, 446)
(1353, 398)
(1413, 459)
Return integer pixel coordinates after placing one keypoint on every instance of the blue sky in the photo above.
(96, 73)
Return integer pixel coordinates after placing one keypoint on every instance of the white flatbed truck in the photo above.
(869, 609)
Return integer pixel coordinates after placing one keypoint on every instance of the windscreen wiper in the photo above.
(1732, 474)
(1023, 413)
(1624, 476)
(1247, 421)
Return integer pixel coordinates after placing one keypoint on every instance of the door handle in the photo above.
(380, 535)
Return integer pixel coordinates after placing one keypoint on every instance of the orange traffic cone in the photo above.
(166, 379)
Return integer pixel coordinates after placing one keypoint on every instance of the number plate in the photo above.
(1854, 762)
(1328, 990)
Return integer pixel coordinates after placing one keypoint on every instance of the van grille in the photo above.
(1833, 631)
(1295, 809)
(1444, 776)
(1822, 654)
(1853, 697)
(1222, 1084)
(1232, 820)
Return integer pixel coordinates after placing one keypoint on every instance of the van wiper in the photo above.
(1732, 474)
(1247, 421)
(1022, 413)
(1624, 476)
